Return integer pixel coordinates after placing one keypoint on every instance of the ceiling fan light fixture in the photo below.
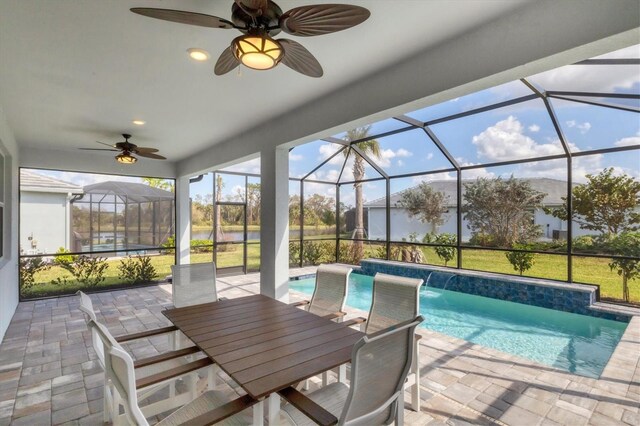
(257, 51)
(126, 158)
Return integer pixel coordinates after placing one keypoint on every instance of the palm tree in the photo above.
(370, 148)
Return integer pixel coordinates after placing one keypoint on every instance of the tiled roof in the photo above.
(30, 181)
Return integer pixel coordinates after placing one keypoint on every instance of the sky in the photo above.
(523, 130)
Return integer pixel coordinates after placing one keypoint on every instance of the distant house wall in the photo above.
(44, 216)
(402, 225)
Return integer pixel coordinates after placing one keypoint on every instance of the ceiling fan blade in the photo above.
(184, 17)
(151, 155)
(106, 144)
(140, 149)
(253, 7)
(321, 19)
(298, 58)
(98, 149)
(226, 62)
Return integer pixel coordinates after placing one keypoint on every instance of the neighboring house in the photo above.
(402, 225)
(45, 213)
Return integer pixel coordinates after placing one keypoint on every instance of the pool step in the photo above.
(615, 309)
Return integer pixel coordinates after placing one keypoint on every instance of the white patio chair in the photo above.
(205, 409)
(193, 284)
(380, 363)
(395, 299)
(148, 379)
(328, 300)
(147, 366)
(330, 293)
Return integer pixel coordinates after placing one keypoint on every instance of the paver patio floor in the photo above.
(49, 375)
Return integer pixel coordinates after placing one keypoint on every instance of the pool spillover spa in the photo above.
(572, 342)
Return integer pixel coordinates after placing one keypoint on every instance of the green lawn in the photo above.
(585, 270)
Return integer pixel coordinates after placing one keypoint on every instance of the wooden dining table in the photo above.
(265, 345)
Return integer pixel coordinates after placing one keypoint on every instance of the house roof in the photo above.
(554, 188)
(35, 182)
(131, 191)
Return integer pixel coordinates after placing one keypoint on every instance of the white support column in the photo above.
(274, 223)
(183, 221)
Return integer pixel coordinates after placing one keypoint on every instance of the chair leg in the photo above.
(325, 378)
(400, 409)
(274, 408)
(342, 373)
(258, 414)
(106, 405)
(415, 369)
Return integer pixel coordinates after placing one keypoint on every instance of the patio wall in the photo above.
(9, 261)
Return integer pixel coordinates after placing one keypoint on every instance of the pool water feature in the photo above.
(575, 343)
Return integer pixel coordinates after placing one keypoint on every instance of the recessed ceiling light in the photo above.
(139, 122)
(199, 55)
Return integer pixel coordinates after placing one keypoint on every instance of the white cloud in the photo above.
(250, 166)
(534, 128)
(583, 127)
(386, 155)
(506, 141)
(400, 163)
(628, 141)
(295, 157)
(430, 156)
(83, 179)
(582, 78)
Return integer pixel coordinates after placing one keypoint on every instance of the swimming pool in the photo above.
(576, 343)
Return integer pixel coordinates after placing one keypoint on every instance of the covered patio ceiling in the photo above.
(75, 72)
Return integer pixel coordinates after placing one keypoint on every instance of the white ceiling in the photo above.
(73, 72)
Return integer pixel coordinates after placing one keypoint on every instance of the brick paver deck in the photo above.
(49, 375)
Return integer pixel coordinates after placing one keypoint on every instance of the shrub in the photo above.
(316, 252)
(294, 253)
(171, 242)
(202, 246)
(626, 244)
(29, 267)
(350, 253)
(137, 269)
(64, 259)
(481, 239)
(446, 254)
(520, 260)
(86, 270)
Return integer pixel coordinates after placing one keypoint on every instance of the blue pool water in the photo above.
(576, 343)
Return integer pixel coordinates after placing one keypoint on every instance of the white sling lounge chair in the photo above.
(380, 363)
(193, 284)
(146, 380)
(329, 297)
(395, 299)
(379, 367)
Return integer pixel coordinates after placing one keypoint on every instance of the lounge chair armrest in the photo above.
(354, 321)
(172, 372)
(417, 337)
(300, 303)
(224, 411)
(143, 334)
(334, 315)
(165, 356)
(309, 408)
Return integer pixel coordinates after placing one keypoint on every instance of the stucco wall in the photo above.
(402, 225)
(9, 261)
(43, 216)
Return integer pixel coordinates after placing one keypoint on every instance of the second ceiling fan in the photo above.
(260, 21)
